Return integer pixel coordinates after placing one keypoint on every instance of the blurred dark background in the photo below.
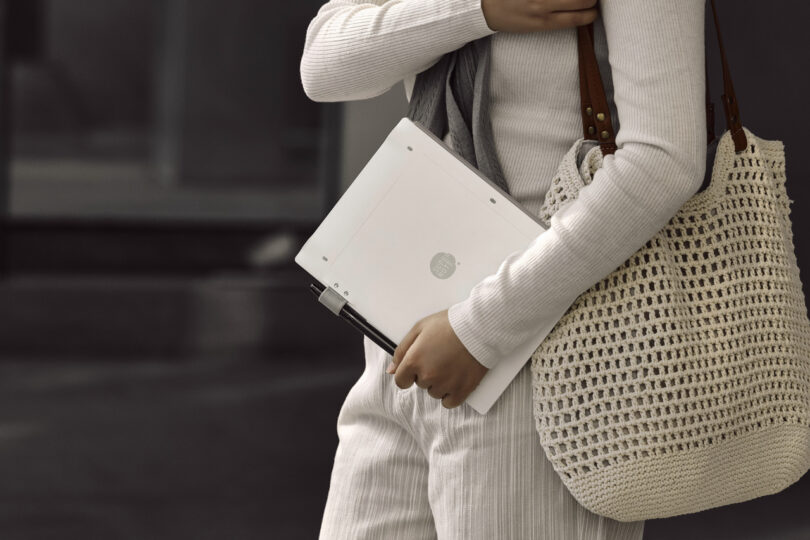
(164, 371)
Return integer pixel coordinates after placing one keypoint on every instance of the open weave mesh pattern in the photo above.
(681, 381)
(570, 179)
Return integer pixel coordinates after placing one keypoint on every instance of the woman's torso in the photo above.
(535, 107)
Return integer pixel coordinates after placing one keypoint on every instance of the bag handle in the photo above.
(596, 121)
(729, 97)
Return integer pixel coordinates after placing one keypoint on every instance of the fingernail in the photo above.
(391, 368)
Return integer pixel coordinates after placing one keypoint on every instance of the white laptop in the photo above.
(412, 235)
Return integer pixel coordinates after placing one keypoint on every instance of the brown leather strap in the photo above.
(584, 94)
(729, 98)
(596, 121)
(710, 134)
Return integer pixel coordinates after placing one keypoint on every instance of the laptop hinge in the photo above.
(332, 299)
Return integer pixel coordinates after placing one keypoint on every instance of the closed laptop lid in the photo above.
(414, 232)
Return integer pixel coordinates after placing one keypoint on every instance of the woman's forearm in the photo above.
(359, 49)
(656, 56)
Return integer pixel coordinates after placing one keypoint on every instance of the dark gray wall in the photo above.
(94, 70)
(215, 81)
(240, 120)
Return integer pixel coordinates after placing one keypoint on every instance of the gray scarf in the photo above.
(453, 95)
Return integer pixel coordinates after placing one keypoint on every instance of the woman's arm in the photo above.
(358, 49)
(656, 53)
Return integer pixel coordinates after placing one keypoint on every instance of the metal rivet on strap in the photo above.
(588, 111)
(600, 117)
(591, 130)
(605, 135)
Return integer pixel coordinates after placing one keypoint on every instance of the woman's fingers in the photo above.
(541, 8)
(451, 401)
(536, 15)
(567, 19)
(402, 348)
(565, 5)
(406, 374)
(436, 391)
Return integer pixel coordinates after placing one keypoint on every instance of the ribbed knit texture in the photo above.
(357, 49)
(406, 468)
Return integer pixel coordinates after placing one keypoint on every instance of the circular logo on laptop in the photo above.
(442, 265)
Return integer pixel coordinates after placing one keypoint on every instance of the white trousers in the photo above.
(406, 468)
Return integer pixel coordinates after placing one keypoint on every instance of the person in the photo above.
(413, 460)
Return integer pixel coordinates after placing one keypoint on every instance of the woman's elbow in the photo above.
(689, 162)
(325, 86)
(315, 85)
(330, 75)
(680, 162)
(663, 174)
(314, 90)
(687, 151)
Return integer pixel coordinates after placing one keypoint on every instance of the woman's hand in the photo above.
(432, 356)
(534, 15)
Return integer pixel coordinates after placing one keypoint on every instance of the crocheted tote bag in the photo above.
(681, 381)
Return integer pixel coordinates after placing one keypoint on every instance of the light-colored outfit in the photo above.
(407, 468)
(357, 49)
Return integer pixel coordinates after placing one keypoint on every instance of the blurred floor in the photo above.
(162, 450)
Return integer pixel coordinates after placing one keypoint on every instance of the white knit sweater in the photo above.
(358, 49)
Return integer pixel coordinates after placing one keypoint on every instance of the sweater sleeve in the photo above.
(358, 49)
(656, 56)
